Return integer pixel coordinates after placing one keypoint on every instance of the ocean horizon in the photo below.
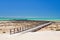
(30, 18)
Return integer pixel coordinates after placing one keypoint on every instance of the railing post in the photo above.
(18, 30)
(12, 31)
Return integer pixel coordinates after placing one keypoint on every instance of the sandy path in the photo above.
(46, 35)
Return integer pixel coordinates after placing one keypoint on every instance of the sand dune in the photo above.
(46, 35)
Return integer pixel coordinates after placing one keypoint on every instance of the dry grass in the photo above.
(5, 26)
(53, 27)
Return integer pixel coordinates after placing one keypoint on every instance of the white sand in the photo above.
(46, 35)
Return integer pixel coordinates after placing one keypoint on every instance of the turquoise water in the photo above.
(29, 19)
(43, 18)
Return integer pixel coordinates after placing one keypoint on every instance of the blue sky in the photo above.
(30, 8)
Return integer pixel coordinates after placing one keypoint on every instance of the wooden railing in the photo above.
(20, 29)
(17, 30)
